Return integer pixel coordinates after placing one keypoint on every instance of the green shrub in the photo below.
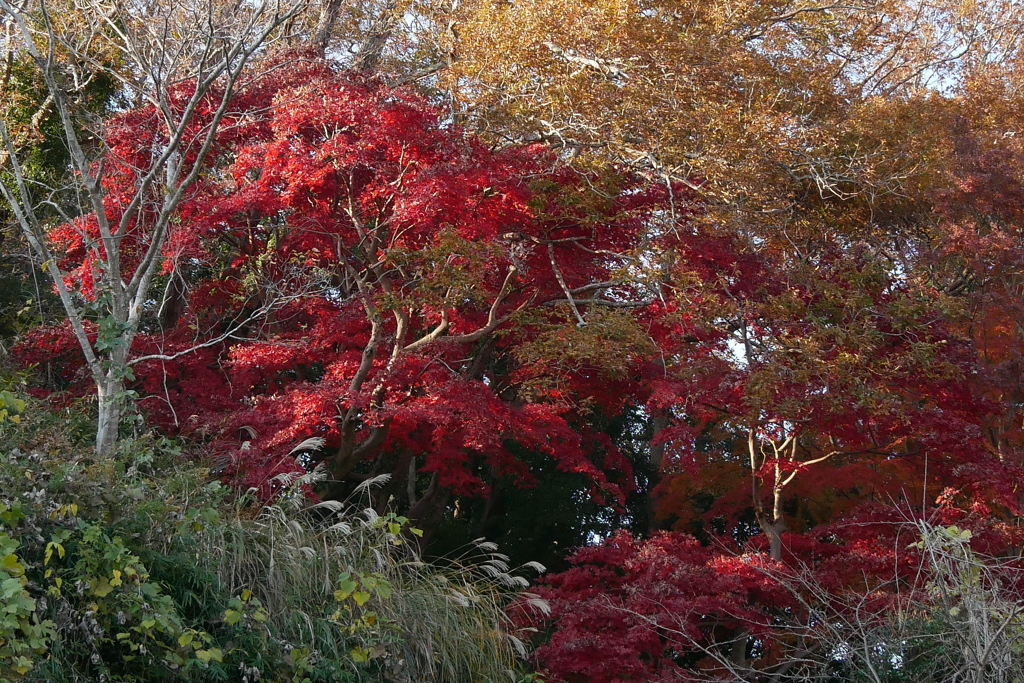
(138, 567)
(23, 636)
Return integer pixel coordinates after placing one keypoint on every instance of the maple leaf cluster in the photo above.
(632, 609)
(351, 268)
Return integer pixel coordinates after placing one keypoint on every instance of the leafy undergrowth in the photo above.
(139, 567)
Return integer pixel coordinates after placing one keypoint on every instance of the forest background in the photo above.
(726, 295)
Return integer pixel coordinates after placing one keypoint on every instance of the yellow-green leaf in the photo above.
(102, 588)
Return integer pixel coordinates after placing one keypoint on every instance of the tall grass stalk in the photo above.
(437, 623)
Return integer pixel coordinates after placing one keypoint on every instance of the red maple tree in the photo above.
(354, 270)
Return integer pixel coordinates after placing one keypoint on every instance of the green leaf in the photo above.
(9, 588)
(11, 565)
(101, 587)
(345, 589)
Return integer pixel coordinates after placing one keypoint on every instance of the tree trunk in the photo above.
(738, 651)
(659, 421)
(372, 50)
(774, 533)
(325, 25)
(771, 526)
(773, 529)
(110, 397)
(428, 510)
